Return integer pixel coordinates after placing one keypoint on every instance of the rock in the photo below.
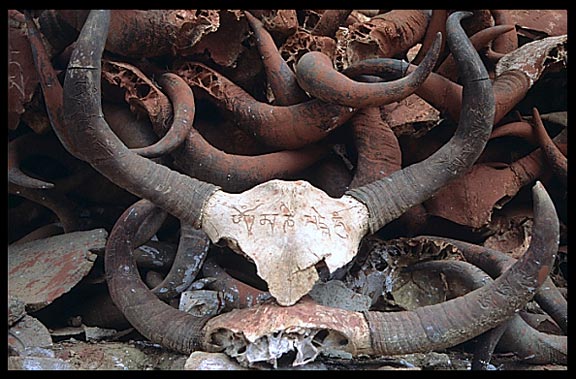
(40, 271)
(200, 360)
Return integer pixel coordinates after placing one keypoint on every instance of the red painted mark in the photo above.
(543, 274)
(27, 263)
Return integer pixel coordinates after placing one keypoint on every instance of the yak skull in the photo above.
(286, 228)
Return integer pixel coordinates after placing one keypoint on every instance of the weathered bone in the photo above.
(266, 332)
(534, 57)
(301, 225)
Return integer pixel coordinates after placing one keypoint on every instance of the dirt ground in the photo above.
(73, 354)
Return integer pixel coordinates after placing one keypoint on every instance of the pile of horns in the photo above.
(267, 135)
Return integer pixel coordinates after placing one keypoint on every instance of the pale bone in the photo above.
(533, 57)
(246, 333)
(286, 228)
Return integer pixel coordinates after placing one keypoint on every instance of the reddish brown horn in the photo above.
(316, 75)
(420, 181)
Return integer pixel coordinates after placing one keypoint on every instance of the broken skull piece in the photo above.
(265, 333)
(301, 226)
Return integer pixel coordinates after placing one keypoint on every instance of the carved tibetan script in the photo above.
(283, 219)
(286, 228)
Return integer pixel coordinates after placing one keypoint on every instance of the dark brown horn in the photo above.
(518, 336)
(455, 321)
(153, 318)
(93, 141)
(316, 75)
(509, 88)
(436, 24)
(556, 159)
(279, 75)
(192, 251)
(418, 182)
(495, 263)
(18, 148)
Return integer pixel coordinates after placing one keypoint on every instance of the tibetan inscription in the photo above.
(283, 220)
(286, 228)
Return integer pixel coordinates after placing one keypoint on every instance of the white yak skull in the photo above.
(286, 228)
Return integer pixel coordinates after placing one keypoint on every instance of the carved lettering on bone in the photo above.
(286, 228)
(245, 216)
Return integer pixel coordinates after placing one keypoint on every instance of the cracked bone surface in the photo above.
(286, 228)
(267, 332)
(534, 57)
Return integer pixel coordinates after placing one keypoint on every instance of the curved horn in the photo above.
(18, 148)
(418, 182)
(316, 75)
(93, 141)
(178, 92)
(518, 336)
(480, 40)
(279, 75)
(153, 318)
(495, 263)
(286, 127)
(485, 308)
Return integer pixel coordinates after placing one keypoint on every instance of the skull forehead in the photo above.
(286, 228)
